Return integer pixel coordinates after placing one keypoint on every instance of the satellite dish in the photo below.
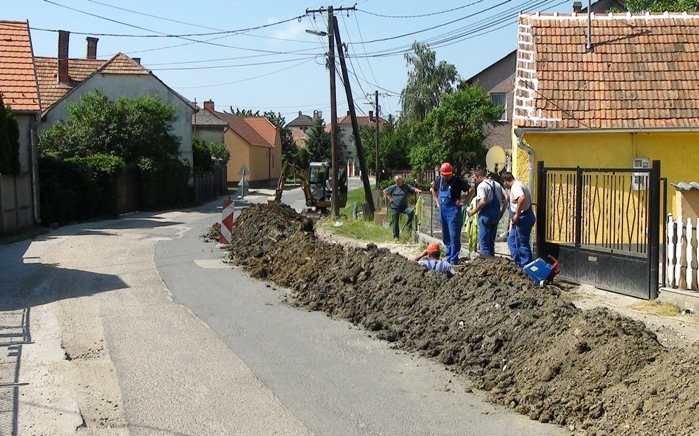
(496, 159)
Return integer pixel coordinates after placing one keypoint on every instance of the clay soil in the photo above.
(529, 348)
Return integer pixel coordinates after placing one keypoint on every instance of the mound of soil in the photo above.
(530, 348)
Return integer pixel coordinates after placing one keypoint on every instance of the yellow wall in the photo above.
(678, 153)
(263, 163)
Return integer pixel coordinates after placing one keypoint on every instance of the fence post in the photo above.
(577, 231)
(670, 250)
(654, 227)
(541, 218)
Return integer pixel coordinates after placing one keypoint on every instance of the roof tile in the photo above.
(18, 83)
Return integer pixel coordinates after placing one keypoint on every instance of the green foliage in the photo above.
(128, 128)
(9, 142)
(394, 145)
(318, 144)
(428, 81)
(164, 183)
(219, 151)
(663, 5)
(454, 131)
(201, 156)
(78, 188)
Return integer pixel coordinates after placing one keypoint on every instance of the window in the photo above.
(500, 99)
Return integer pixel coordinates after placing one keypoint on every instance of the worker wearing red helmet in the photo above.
(433, 262)
(447, 192)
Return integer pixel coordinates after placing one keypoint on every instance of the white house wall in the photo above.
(131, 86)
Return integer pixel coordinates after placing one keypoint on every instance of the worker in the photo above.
(522, 217)
(490, 207)
(446, 192)
(397, 196)
(433, 262)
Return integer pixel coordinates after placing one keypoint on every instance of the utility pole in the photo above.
(378, 164)
(355, 126)
(334, 207)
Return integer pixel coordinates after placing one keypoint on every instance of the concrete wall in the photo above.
(131, 86)
(209, 134)
(263, 163)
(16, 210)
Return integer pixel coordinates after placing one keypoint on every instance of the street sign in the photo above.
(243, 171)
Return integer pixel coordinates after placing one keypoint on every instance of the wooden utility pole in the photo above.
(333, 113)
(378, 164)
(368, 196)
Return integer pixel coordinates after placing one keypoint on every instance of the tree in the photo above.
(129, 128)
(318, 145)
(393, 145)
(427, 82)
(453, 132)
(9, 141)
(663, 5)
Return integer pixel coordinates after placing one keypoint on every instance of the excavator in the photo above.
(316, 183)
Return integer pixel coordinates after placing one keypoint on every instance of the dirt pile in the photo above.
(530, 348)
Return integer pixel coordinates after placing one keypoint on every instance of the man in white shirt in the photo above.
(490, 208)
(522, 217)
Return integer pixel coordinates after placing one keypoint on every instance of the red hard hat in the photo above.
(445, 169)
(433, 247)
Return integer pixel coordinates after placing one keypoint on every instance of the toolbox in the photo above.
(541, 271)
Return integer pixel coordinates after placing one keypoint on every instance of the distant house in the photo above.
(19, 204)
(498, 80)
(253, 142)
(345, 137)
(64, 80)
(208, 127)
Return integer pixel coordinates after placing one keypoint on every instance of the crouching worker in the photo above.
(433, 262)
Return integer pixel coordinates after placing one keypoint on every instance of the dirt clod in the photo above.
(529, 347)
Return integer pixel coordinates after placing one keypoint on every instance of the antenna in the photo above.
(496, 159)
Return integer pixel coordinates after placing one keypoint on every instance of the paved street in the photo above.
(136, 326)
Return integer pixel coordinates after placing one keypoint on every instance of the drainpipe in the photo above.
(530, 151)
(34, 163)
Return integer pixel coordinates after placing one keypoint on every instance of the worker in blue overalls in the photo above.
(490, 208)
(446, 192)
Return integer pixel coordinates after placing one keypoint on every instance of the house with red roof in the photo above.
(253, 142)
(622, 90)
(64, 80)
(18, 86)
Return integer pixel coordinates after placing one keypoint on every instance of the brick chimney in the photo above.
(137, 60)
(209, 105)
(371, 115)
(63, 40)
(91, 47)
(577, 7)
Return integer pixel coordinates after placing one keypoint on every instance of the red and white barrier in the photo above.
(226, 222)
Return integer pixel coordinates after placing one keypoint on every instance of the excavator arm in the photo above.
(289, 169)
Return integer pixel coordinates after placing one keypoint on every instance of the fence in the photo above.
(208, 186)
(16, 210)
(682, 253)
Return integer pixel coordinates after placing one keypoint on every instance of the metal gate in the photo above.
(603, 226)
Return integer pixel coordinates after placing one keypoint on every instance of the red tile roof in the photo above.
(79, 70)
(18, 83)
(247, 128)
(642, 72)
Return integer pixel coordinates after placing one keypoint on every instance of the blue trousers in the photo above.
(452, 221)
(519, 238)
(487, 232)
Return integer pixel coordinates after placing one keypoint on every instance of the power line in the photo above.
(422, 15)
(247, 79)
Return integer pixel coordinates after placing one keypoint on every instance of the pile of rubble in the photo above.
(529, 348)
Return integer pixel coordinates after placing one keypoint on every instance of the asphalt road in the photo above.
(137, 327)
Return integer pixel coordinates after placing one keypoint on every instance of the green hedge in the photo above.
(78, 189)
(164, 184)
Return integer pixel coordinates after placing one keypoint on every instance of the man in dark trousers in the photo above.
(446, 192)
(522, 217)
(397, 196)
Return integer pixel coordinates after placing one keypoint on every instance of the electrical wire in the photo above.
(419, 16)
(247, 79)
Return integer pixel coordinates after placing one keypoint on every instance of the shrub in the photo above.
(164, 184)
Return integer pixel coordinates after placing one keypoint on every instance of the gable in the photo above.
(245, 130)
(18, 83)
(641, 72)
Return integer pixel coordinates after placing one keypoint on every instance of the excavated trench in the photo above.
(595, 372)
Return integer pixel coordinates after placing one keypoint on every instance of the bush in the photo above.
(78, 189)
(202, 156)
(164, 184)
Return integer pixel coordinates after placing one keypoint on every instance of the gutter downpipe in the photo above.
(34, 163)
(530, 151)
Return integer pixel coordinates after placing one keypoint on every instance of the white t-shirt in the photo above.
(487, 188)
(517, 190)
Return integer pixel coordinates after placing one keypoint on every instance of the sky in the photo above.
(259, 55)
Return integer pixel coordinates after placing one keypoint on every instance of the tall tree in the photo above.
(318, 143)
(393, 145)
(454, 131)
(663, 5)
(427, 82)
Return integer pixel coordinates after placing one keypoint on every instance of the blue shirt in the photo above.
(399, 194)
